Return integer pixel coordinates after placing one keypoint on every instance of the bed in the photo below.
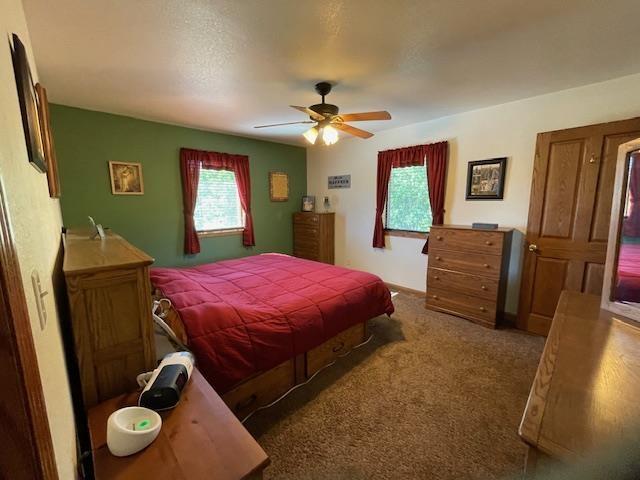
(260, 324)
(628, 279)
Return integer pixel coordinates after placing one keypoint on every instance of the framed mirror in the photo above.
(621, 288)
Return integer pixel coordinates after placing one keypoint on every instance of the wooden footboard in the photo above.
(267, 386)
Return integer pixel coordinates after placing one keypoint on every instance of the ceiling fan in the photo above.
(328, 121)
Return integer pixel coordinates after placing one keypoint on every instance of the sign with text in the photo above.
(340, 181)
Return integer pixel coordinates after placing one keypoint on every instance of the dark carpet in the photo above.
(431, 396)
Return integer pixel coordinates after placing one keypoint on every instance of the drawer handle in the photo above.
(488, 242)
(338, 347)
(483, 287)
(436, 277)
(435, 297)
(486, 265)
(482, 309)
(438, 237)
(245, 403)
(438, 258)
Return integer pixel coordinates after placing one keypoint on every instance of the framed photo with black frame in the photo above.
(485, 179)
(28, 106)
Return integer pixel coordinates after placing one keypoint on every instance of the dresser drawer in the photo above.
(326, 353)
(476, 309)
(306, 219)
(476, 285)
(466, 240)
(306, 235)
(473, 263)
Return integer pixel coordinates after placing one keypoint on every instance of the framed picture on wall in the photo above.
(278, 186)
(28, 106)
(126, 178)
(485, 179)
(47, 140)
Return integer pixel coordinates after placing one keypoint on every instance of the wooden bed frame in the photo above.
(263, 388)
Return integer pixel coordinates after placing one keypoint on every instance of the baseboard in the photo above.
(393, 286)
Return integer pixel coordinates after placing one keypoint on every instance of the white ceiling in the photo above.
(227, 65)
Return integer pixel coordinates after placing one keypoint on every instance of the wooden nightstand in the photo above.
(200, 438)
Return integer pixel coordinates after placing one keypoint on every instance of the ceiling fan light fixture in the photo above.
(311, 135)
(330, 135)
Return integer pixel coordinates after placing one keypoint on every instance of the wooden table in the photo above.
(587, 388)
(200, 438)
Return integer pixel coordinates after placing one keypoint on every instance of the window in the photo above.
(408, 205)
(218, 203)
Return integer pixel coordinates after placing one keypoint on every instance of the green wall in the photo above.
(86, 141)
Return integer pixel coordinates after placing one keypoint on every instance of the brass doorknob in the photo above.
(533, 247)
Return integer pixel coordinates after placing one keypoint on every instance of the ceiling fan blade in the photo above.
(315, 115)
(359, 117)
(280, 124)
(352, 130)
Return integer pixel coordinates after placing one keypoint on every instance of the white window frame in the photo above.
(222, 232)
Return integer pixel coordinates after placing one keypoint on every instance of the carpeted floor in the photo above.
(431, 396)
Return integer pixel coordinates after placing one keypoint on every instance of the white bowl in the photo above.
(131, 429)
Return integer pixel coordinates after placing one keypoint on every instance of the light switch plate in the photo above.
(39, 294)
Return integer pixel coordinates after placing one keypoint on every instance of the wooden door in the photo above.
(27, 448)
(569, 212)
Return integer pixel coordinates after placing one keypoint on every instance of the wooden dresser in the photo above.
(585, 393)
(313, 236)
(110, 301)
(467, 272)
(200, 438)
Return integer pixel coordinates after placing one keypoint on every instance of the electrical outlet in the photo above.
(40, 294)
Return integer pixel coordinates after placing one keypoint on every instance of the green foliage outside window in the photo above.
(408, 206)
(218, 203)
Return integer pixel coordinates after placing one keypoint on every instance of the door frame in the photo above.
(22, 370)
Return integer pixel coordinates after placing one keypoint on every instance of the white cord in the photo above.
(295, 387)
(159, 321)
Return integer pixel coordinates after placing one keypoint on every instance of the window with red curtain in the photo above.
(192, 162)
(434, 157)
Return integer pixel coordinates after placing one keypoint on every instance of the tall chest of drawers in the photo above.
(467, 272)
(313, 236)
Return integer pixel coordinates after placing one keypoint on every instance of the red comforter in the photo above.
(248, 315)
(628, 288)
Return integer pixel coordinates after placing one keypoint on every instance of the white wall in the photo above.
(36, 222)
(503, 130)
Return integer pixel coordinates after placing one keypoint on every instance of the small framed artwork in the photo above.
(485, 179)
(308, 203)
(47, 139)
(28, 106)
(278, 186)
(126, 178)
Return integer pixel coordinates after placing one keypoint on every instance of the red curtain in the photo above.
(190, 171)
(632, 222)
(436, 155)
(385, 160)
(194, 160)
